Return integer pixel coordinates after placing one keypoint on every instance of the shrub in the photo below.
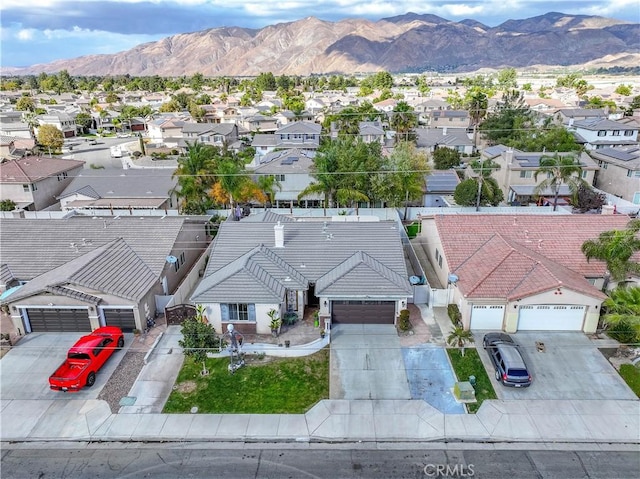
(198, 338)
(403, 320)
(623, 332)
(454, 314)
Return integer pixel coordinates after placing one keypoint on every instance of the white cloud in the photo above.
(25, 34)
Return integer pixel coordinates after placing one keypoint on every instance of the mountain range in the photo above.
(406, 43)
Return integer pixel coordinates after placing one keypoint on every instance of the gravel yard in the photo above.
(122, 379)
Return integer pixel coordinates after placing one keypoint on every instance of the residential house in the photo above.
(216, 134)
(7, 146)
(123, 193)
(299, 134)
(291, 169)
(424, 109)
(315, 105)
(429, 139)
(604, 133)
(34, 182)
(565, 115)
(260, 123)
(166, 130)
(387, 105)
(450, 119)
(520, 273)
(61, 120)
(371, 131)
(619, 172)
(355, 272)
(440, 185)
(80, 273)
(516, 176)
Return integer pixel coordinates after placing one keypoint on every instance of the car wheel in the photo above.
(91, 379)
(120, 342)
(498, 376)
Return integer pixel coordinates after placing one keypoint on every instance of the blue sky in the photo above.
(40, 31)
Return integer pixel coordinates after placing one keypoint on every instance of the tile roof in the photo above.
(99, 270)
(558, 238)
(312, 249)
(35, 168)
(32, 247)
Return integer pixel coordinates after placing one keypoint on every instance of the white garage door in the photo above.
(545, 317)
(487, 316)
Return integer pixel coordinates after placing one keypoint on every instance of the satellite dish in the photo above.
(172, 259)
(452, 278)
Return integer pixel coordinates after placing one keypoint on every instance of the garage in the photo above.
(363, 312)
(123, 318)
(487, 316)
(58, 320)
(550, 317)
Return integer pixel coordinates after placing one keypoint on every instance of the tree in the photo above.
(512, 117)
(548, 137)
(170, 106)
(459, 337)
(268, 184)
(408, 168)
(559, 170)
(7, 205)
(25, 103)
(616, 248)
(445, 158)
(112, 98)
(194, 180)
(403, 120)
(50, 137)
(488, 189)
(587, 199)
(507, 79)
(83, 120)
(624, 90)
(466, 193)
(198, 337)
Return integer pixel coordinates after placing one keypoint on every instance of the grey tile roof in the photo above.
(312, 249)
(268, 217)
(348, 278)
(6, 275)
(100, 270)
(131, 183)
(32, 247)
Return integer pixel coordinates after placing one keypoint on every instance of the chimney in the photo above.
(279, 234)
(509, 156)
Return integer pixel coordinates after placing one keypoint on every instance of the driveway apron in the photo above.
(367, 363)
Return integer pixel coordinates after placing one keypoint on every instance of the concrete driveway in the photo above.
(571, 367)
(25, 370)
(367, 363)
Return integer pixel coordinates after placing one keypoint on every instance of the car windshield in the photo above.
(78, 356)
(518, 372)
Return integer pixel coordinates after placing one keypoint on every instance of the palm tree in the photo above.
(193, 177)
(459, 337)
(616, 248)
(268, 184)
(623, 308)
(560, 170)
(486, 189)
(403, 120)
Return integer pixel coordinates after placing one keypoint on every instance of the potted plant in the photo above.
(275, 323)
(322, 333)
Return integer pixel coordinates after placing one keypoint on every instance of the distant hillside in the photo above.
(406, 43)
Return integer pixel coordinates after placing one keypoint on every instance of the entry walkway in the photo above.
(367, 363)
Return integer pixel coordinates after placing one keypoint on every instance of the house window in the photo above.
(279, 178)
(602, 133)
(616, 132)
(636, 174)
(526, 174)
(636, 198)
(628, 133)
(238, 311)
(584, 174)
(437, 254)
(25, 188)
(34, 187)
(605, 166)
(629, 173)
(62, 176)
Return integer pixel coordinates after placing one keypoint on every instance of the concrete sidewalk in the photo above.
(331, 420)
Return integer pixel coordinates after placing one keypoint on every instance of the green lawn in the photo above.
(631, 375)
(471, 365)
(264, 386)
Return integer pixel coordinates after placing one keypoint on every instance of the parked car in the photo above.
(85, 358)
(508, 362)
(93, 141)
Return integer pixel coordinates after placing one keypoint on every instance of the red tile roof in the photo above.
(35, 168)
(504, 256)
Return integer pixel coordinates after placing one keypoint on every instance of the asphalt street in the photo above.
(333, 461)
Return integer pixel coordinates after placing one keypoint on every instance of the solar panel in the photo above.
(617, 154)
(287, 161)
